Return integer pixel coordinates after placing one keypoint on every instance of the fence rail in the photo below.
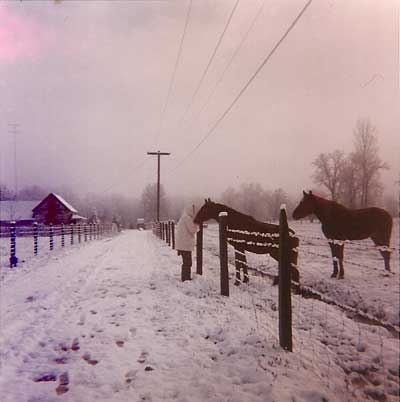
(66, 234)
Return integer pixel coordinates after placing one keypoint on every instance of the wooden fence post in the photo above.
(79, 232)
(72, 233)
(168, 230)
(285, 301)
(13, 245)
(173, 234)
(62, 235)
(223, 254)
(51, 237)
(35, 238)
(199, 251)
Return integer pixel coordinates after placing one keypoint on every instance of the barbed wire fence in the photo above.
(331, 338)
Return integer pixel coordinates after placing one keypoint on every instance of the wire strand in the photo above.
(228, 65)
(209, 64)
(241, 92)
(174, 73)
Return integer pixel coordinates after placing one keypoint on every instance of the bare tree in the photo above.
(5, 193)
(149, 202)
(329, 171)
(252, 200)
(230, 197)
(367, 162)
(349, 183)
(32, 193)
(277, 198)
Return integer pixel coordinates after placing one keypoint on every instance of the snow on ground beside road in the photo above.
(111, 321)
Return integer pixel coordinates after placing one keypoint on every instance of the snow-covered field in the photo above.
(111, 321)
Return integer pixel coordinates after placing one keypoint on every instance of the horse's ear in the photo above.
(310, 192)
(209, 199)
(304, 193)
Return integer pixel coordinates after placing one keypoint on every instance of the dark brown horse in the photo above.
(340, 223)
(247, 234)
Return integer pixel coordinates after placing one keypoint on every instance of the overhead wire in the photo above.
(174, 72)
(209, 63)
(228, 65)
(143, 161)
(241, 92)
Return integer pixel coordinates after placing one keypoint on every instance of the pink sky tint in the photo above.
(21, 37)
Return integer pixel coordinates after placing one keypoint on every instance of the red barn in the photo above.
(55, 210)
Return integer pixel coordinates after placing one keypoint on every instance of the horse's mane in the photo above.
(225, 208)
(331, 203)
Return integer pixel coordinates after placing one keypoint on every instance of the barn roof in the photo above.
(61, 200)
(16, 210)
(69, 206)
(76, 216)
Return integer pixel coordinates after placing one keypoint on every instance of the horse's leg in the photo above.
(237, 266)
(340, 255)
(385, 252)
(334, 259)
(386, 257)
(244, 266)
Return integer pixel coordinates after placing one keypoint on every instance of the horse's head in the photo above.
(306, 206)
(209, 210)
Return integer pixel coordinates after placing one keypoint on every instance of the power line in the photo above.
(260, 67)
(228, 65)
(174, 72)
(209, 63)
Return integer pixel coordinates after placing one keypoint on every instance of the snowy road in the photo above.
(111, 321)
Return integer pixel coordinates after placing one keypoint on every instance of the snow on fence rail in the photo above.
(323, 332)
(33, 240)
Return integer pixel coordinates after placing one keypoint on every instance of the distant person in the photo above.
(185, 240)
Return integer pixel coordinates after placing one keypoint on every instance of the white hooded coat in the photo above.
(186, 229)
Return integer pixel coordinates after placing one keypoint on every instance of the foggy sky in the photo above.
(86, 82)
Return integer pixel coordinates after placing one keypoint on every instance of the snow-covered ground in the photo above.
(111, 321)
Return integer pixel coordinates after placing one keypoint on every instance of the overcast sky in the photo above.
(87, 83)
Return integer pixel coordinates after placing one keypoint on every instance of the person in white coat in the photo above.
(185, 240)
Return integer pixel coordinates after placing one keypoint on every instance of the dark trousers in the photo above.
(186, 264)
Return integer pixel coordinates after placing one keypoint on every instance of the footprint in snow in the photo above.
(82, 319)
(63, 384)
(86, 356)
(130, 376)
(143, 357)
(45, 377)
(61, 360)
(120, 343)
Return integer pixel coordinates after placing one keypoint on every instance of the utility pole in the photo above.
(13, 130)
(159, 154)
